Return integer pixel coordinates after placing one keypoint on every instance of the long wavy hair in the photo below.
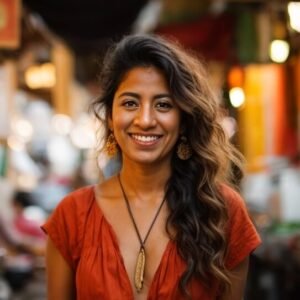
(198, 213)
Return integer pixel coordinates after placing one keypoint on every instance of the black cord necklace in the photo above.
(141, 259)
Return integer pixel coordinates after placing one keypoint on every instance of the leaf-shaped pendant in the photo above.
(140, 270)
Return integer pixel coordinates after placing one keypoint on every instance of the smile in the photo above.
(145, 138)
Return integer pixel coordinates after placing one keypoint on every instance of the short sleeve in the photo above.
(65, 226)
(242, 234)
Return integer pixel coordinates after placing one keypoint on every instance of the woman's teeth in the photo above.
(143, 138)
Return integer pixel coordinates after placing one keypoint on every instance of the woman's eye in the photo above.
(130, 103)
(164, 105)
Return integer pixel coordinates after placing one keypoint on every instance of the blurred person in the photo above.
(22, 241)
(28, 228)
(167, 225)
(21, 234)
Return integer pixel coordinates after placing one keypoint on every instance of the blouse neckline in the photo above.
(120, 257)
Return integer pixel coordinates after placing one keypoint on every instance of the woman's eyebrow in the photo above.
(136, 95)
(162, 96)
(130, 94)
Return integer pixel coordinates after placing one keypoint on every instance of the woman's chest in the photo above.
(140, 266)
(109, 256)
(102, 272)
(134, 229)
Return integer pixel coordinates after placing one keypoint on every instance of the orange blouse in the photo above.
(89, 245)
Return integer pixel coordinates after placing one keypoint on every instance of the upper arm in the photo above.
(60, 277)
(238, 277)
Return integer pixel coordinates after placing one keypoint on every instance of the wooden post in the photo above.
(63, 61)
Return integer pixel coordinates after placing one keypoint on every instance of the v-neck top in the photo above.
(89, 245)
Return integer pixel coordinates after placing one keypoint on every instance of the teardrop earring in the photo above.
(184, 150)
(111, 146)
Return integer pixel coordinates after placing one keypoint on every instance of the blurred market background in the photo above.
(50, 57)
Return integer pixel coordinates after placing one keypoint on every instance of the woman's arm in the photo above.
(60, 278)
(238, 277)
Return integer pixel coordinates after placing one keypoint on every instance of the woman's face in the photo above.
(145, 119)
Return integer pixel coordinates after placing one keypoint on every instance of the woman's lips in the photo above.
(148, 139)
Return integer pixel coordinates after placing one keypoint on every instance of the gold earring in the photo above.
(184, 150)
(111, 148)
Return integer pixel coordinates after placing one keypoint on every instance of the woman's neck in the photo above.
(145, 183)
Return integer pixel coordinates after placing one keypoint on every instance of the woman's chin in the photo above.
(147, 159)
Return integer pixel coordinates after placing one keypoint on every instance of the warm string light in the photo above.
(294, 15)
(279, 51)
(236, 96)
(279, 48)
(236, 92)
(40, 76)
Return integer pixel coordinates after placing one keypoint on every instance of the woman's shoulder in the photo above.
(232, 198)
(80, 194)
(66, 225)
(77, 200)
(242, 236)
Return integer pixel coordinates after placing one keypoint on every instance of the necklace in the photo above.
(141, 259)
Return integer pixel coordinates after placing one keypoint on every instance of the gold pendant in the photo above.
(140, 270)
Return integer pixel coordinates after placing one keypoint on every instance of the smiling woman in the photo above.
(168, 225)
(145, 119)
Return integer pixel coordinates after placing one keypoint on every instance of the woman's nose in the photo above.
(145, 117)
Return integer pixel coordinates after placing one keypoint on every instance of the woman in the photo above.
(167, 226)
